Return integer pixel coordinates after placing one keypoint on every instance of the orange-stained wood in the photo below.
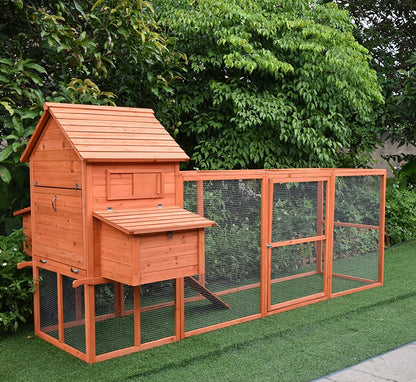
(152, 220)
(128, 123)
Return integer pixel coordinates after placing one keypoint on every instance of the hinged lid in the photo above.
(153, 220)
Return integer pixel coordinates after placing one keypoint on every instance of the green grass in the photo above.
(299, 345)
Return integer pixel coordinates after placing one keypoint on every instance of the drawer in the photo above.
(58, 267)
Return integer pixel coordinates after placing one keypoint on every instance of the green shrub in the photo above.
(16, 286)
(400, 211)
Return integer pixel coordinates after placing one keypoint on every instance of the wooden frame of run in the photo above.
(323, 240)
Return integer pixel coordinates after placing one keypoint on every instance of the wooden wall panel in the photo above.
(102, 198)
(54, 162)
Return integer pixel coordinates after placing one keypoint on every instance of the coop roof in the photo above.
(107, 133)
(153, 220)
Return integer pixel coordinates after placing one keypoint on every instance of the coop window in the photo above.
(134, 184)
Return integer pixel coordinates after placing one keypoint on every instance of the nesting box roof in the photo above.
(153, 220)
(108, 133)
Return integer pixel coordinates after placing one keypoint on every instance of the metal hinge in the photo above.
(269, 245)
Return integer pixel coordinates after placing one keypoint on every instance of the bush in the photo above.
(16, 286)
(400, 211)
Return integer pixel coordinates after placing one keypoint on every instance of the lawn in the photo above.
(299, 345)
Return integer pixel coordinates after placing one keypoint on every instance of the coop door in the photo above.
(297, 239)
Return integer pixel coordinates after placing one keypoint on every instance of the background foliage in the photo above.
(272, 84)
(16, 286)
(95, 52)
(387, 29)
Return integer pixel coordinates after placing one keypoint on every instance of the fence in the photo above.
(283, 239)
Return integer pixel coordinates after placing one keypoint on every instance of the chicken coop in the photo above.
(128, 252)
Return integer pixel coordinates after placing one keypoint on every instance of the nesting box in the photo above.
(104, 197)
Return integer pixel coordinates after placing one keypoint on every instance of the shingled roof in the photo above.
(108, 133)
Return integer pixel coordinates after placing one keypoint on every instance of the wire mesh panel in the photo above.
(295, 272)
(297, 213)
(356, 232)
(230, 287)
(114, 327)
(48, 301)
(73, 306)
(157, 310)
(295, 210)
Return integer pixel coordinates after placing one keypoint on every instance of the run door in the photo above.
(299, 241)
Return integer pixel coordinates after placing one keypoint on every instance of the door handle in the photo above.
(54, 203)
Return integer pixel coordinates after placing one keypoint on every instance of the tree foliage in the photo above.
(271, 84)
(82, 51)
(387, 29)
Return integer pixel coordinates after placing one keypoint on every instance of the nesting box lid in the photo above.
(109, 133)
(153, 220)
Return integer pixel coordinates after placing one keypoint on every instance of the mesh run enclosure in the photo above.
(65, 324)
(232, 251)
(356, 232)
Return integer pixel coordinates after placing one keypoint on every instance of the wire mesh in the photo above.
(74, 314)
(232, 252)
(157, 310)
(114, 321)
(296, 271)
(356, 233)
(48, 301)
(295, 210)
(297, 213)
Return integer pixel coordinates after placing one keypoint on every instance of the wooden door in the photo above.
(58, 235)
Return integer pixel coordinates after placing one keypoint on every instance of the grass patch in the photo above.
(299, 345)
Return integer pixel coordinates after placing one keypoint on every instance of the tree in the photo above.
(388, 29)
(74, 51)
(271, 84)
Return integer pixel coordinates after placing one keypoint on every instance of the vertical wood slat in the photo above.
(137, 319)
(90, 347)
(381, 233)
(329, 232)
(270, 186)
(179, 308)
(265, 253)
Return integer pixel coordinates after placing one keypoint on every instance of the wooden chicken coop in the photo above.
(104, 201)
(128, 252)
